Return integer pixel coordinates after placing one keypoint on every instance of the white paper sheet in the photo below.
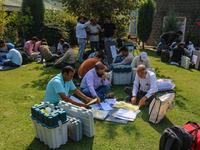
(95, 106)
(111, 101)
(75, 99)
(126, 114)
(113, 51)
(105, 106)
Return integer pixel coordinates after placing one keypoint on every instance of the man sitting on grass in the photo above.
(123, 58)
(141, 60)
(144, 87)
(14, 56)
(58, 88)
(95, 84)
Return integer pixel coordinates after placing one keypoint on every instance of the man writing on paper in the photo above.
(144, 88)
(95, 84)
(58, 88)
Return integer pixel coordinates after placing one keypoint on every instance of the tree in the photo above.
(37, 9)
(117, 9)
(145, 20)
(171, 22)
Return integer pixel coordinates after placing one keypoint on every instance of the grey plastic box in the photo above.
(74, 127)
(85, 115)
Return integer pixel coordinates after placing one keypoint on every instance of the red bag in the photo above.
(194, 129)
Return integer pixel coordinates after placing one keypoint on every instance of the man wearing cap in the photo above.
(14, 56)
(123, 58)
(141, 60)
(69, 58)
(144, 87)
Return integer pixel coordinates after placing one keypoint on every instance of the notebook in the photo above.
(100, 114)
(93, 101)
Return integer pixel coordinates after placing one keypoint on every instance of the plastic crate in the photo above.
(50, 124)
(109, 77)
(122, 68)
(74, 127)
(120, 78)
(85, 115)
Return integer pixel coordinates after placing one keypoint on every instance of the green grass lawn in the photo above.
(23, 87)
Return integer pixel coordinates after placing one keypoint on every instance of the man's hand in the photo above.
(104, 76)
(98, 28)
(133, 100)
(84, 105)
(142, 101)
(88, 99)
(98, 99)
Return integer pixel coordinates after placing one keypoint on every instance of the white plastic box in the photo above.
(53, 137)
(122, 78)
(185, 62)
(109, 77)
(74, 127)
(85, 115)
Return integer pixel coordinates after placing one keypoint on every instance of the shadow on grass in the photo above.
(161, 126)
(85, 144)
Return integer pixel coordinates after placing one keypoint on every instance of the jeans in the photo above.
(101, 91)
(118, 60)
(81, 43)
(92, 43)
(163, 42)
(140, 95)
(62, 65)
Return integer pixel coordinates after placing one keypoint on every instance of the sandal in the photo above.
(110, 95)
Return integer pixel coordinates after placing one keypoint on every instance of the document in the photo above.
(127, 106)
(113, 51)
(93, 101)
(102, 106)
(75, 99)
(111, 102)
(127, 114)
(100, 114)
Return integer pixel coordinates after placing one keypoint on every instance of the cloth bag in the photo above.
(159, 106)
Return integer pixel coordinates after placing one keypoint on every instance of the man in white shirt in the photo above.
(144, 87)
(93, 30)
(60, 50)
(14, 56)
(81, 36)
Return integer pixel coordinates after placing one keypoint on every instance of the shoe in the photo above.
(110, 95)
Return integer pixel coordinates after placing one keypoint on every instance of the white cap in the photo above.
(143, 56)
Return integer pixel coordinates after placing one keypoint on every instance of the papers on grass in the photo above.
(127, 114)
(111, 102)
(75, 99)
(100, 114)
(127, 106)
(102, 106)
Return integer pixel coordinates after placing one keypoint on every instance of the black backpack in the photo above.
(24, 58)
(175, 138)
(165, 56)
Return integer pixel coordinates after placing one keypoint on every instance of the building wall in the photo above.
(184, 8)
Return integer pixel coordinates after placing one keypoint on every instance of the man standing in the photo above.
(144, 87)
(14, 56)
(93, 30)
(109, 30)
(81, 36)
(95, 84)
(169, 37)
(58, 88)
(127, 57)
(141, 60)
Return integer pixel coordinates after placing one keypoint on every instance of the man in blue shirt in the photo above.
(14, 56)
(58, 88)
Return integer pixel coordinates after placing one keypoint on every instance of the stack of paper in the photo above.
(111, 102)
(127, 106)
(102, 106)
(75, 99)
(127, 114)
(100, 114)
